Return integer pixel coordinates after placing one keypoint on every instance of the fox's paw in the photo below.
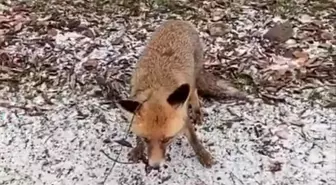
(205, 158)
(136, 155)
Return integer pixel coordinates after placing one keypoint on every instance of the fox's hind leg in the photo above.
(197, 113)
(194, 99)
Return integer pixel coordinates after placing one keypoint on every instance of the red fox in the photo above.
(163, 85)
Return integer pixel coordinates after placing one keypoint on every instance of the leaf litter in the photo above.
(65, 63)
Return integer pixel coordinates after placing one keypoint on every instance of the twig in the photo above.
(28, 109)
(273, 98)
(115, 160)
(233, 175)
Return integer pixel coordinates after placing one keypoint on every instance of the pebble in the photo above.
(291, 42)
(90, 64)
(281, 32)
(327, 35)
(217, 15)
(218, 29)
(305, 18)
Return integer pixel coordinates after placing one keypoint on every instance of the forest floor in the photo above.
(64, 63)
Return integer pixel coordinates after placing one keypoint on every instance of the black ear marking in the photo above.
(129, 105)
(179, 96)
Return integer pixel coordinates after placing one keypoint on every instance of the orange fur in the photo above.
(157, 119)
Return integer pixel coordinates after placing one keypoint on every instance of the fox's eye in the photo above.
(166, 140)
(146, 140)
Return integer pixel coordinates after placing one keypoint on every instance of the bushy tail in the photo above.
(212, 86)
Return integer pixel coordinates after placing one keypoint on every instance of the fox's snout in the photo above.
(156, 154)
(155, 163)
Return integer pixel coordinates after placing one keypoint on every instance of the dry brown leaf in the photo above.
(275, 166)
(2, 38)
(300, 54)
(89, 33)
(4, 19)
(18, 17)
(46, 18)
(282, 132)
(281, 65)
(302, 58)
(3, 31)
(301, 61)
(18, 27)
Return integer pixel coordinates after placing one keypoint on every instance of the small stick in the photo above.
(115, 160)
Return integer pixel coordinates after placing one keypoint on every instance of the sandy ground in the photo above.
(252, 144)
(54, 124)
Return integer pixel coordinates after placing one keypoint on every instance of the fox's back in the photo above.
(169, 58)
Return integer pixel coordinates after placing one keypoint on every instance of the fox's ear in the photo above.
(129, 105)
(179, 96)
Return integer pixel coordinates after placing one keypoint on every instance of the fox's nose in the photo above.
(155, 164)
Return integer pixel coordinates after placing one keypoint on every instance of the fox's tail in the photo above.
(212, 86)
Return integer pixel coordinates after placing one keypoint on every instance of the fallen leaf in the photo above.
(18, 27)
(275, 166)
(2, 32)
(73, 81)
(2, 39)
(89, 33)
(273, 98)
(4, 19)
(282, 134)
(300, 54)
(300, 62)
(282, 64)
(107, 141)
(73, 23)
(298, 124)
(330, 105)
(46, 18)
(302, 58)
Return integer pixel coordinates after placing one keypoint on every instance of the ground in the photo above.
(63, 64)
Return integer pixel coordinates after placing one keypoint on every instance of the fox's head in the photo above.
(157, 121)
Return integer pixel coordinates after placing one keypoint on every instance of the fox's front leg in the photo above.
(137, 154)
(203, 155)
(197, 113)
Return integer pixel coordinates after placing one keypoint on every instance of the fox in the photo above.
(162, 89)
